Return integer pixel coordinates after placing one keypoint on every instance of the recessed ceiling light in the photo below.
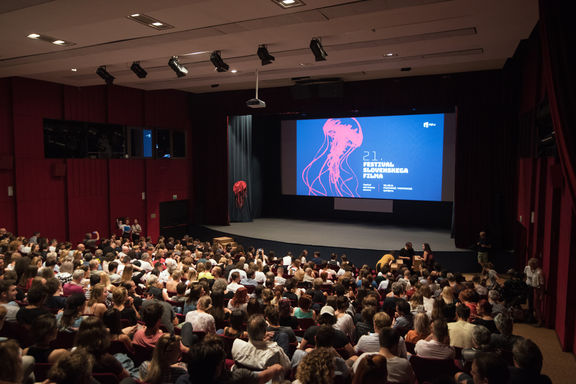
(390, 54)
(194, 53)
(50, 39)
(289, 3)
(74, 70)
(234, 70)
(149, 21)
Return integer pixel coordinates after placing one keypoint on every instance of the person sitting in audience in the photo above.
(74, 285)
(96, 306)
(484, 317)
(487, 368)
(438, 346)
(148, 335)
(286, 318)
(236, 327)
(505, 340)
(196, 292)
(527, 364)
(37, 295)
(283, 336)
(119, 339)
(218, 311)
(125, 305)
(7, 296)
(279, 278)
(14, 368)
(327, 317)
(480, 342)
(240, 299)
(461, 330)
(164, 366)
(389, 305)
(344, 321)
(365, 324)
(206, 365)
(403, 319)
(74, 368)
(371, 370)
(399, 369)
(421, 329)
(70, 319)
(94, 338)
(168, 319)
(258, 353)
(201, 320)
(304, 311)
(55, 301)
(317, 367)
(44, 332)
(234, 282)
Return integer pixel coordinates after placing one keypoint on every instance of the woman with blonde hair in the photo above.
(125, 305)
(164, 366)
(96, 305)
(201, 320)
(127, 274)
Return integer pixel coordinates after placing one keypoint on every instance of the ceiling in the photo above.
(428, 36)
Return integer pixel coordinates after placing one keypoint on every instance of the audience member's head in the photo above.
(463, 312)
(371, 370)
(93, 336)
(256, 328)
(489, 368)
(504, 324)
(10, 362)
(527, 355)
(74, 368)
(389, 339)
(317, 367)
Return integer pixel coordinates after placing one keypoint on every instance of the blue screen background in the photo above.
(409, 141)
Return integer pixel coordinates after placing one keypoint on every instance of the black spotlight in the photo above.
(264, 55)
(104, 74)
(177, 67)
(319, 52)
(217, 61)
(138, 70)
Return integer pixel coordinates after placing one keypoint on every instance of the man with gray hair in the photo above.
(259, 353)
(505, 340)
(74, 286)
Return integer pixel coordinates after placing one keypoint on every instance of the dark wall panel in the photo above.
(127, 183)
(85, 104)
(125, 105)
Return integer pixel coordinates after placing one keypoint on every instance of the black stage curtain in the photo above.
(240, 168)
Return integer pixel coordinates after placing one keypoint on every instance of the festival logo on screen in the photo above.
(328, 173)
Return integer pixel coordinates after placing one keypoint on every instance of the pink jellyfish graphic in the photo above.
(340, 140)
(239, 188)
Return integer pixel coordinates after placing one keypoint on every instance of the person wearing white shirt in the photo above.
(371, 341)
(535, 282)
(437, 347)
(235, 283)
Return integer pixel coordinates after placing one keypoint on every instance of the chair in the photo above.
(106, 378)
(41, 371)
(227, 341)
(432, 369)
(141, 354)
(306, 323)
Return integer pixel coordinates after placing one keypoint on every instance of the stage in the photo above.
(363, 243)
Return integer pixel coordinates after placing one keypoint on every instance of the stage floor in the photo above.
(338, 234)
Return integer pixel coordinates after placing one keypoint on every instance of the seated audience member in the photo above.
(461, 330)
(7, 296)
(125, 305)
(480, 343)
(236, 328)
(74, 285)
(371, 370)
(484, 309)
(327, 317)
(389, 305)
(487, 368)
(240, 299)
(200, 320)
(399, 368)
(317, 367)
(324, 339)
(438, 347)
(118, 339)
(69, 320)
(421, 329)
(14, 368)
(527, 364)
(234, 282)
(54, 301)
(206, 365)
(74, 368)
(403, 320)
(37, 295)
(285, 312)
(371, 341)
(168, 319)
(94, 338)
(96, 306)
(44, 331)
(505, 340)
(258, 353)
(164, 366)
(344, 321)
(283, 336)
(148, 335)
(195, 293)
(365, 324)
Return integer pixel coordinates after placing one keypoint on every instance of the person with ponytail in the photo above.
(164, 366)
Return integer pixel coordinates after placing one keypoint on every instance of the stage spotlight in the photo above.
(177, 67)
(138, 70)
(217, 61)
(264, 55)
(104, 74)
(319, 52)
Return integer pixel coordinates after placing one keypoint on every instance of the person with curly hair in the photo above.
(75, 368)
(317, 367)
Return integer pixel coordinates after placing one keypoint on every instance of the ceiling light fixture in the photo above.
(317, 49)
(194, 53)
(138, 70)
(218, 63)
(105, 75)
(234, 71)
(288, 3)
(390, 54)
(51, 40)
(33, 36)
(264, 55)
(74, 69)
(177, 67)
(58, 42)
(149, 21)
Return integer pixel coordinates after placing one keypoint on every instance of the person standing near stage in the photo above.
(535, 282)
(483, 246)
(406, 254)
